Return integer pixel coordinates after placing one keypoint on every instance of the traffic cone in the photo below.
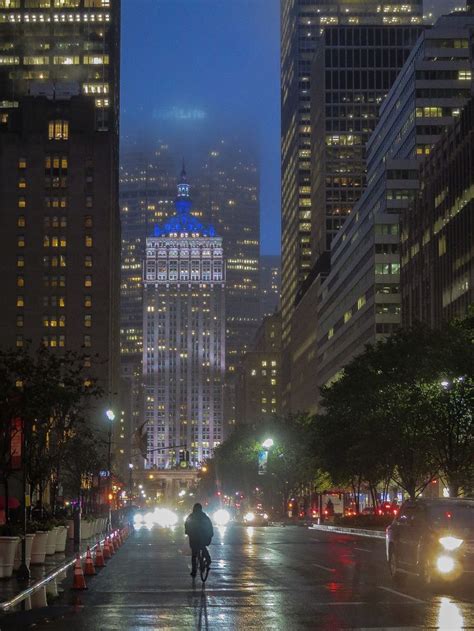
(107, 553)
(98, 557)
(79, 582)
(115, 542)
(89, 569)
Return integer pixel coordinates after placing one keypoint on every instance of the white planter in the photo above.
(8, 547)
(85, 529)
(61, 539)
(51, 541)
(29, 546)
(38, 550)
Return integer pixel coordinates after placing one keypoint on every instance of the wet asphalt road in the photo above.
(274, 578)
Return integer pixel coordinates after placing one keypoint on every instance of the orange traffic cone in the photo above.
(115, 542)
(79, 582)
(89, 569)
(98, 557)
(107, 553)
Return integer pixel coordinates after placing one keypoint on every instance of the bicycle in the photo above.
(204, 565)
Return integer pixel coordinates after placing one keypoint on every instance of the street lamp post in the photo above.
(130, 482)
(111, 417)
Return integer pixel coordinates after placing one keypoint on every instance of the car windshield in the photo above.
(454, 516)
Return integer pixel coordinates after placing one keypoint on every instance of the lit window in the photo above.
(347, 316)
(19, 320)
(87, 341)
(88, 221)
(20, 301)
(88, 241)
(21, 241)
(88, 261)
(21, 202)
(464, 75)
(20, 281)
(360, 302)
(87, 281)
(22, 183)
(20, 261)
(62, 321)
(330, 333)
(21, 222)
(19, 341)
(22, 163)
(58, 130)
(88, 320)
(88, 302)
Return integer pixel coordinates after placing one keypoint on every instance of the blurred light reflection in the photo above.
(449, 615)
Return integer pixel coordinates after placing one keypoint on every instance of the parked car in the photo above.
(432, 538)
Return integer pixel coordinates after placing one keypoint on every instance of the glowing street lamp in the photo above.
(268, 443)
(110, 414)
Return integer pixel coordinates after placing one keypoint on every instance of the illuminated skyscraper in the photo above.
(229, 192)
(303, 23)
(183, 337)
(59, 216)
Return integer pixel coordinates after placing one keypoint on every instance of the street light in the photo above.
(130, 481)
(268, 443)
(111, 417)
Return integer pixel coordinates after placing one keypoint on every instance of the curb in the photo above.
(360, 532)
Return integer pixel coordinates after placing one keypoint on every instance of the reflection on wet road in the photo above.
(261, 578)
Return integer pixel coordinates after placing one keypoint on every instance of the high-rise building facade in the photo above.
(270, 284)
(360, 300)
(59, 215)
(183, 337)
(258, 391)
(353, 69)
(229, 191)
(303, 24)
(147, 192)
(437, 232)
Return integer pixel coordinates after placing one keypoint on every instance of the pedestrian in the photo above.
(199, 529)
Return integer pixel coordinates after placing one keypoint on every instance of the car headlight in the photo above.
(221, 517)
(450, 543)
(445, 564)
(249, 517)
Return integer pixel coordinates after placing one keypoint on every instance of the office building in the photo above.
(229, 192)
(258, 392)
(270, 284)
(183, 338)
(147, 191)
(360, 298)
(437, 232)
(59, 214)
(303, 23)
(353, 69)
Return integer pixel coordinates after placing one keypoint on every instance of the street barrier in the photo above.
(359, 532)
(35, 594)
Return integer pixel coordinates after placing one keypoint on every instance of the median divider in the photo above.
(35, 594)
(359, 532)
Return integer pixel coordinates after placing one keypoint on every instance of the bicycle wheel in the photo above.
(203, 567)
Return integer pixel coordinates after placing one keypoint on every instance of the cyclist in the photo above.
(199, 529)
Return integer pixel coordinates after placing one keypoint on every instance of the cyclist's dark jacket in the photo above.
(199, 529)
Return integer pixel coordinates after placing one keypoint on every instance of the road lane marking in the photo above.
(323, 567)
(362, 549)
(394, 591)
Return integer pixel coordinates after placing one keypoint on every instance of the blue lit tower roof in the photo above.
(183, 221)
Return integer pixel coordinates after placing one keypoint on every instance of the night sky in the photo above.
(194, 71)
(204, 69)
